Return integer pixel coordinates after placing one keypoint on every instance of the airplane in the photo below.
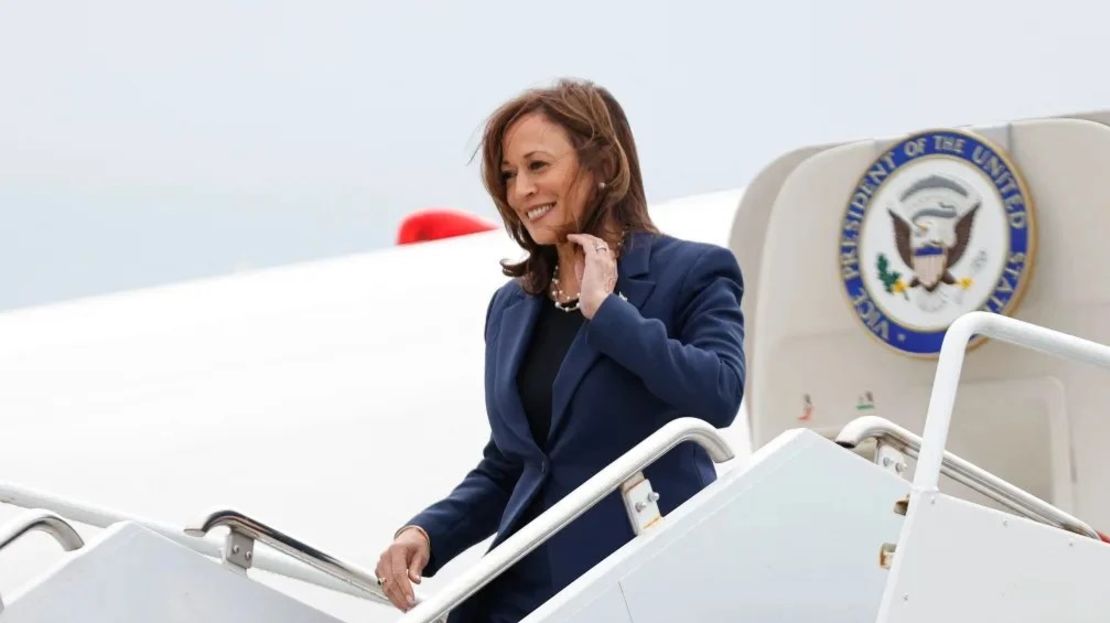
(333, 399)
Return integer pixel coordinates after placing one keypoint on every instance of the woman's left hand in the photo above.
(597, 272)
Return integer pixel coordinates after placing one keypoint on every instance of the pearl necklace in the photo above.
(558, 296)
(557, 292)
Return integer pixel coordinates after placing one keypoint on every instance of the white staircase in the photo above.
(794, 537)
(129, 574)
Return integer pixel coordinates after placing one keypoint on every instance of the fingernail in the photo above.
(412, 602)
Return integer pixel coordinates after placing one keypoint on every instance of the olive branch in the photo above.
(890, 278)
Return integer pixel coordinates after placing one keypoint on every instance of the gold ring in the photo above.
(382, 581)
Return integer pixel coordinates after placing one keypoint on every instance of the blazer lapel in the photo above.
(580, 357)
(517, 323)
(632, 280)
(633, 285)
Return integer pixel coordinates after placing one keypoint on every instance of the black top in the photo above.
(554, 331)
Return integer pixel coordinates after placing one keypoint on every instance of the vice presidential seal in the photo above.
(940, 224)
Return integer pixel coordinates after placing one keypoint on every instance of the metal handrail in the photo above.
(1013, 497)
(950, 364)
(568, 509)
(100, 517)
(258, 531)
(41, 521)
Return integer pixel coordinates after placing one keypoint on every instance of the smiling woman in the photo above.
(540, 173)
(561, 161)
(582, 363)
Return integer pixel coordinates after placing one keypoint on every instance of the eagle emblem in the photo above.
(940, 223)
(942, 214)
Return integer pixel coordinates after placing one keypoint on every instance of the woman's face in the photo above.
(544, 184)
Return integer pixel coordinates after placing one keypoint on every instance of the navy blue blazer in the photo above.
(674, 348)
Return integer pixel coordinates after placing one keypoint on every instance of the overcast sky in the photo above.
(145, 142)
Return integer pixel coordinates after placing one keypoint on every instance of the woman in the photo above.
(607, 331)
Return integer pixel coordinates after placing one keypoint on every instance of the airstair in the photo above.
(843, 520)
(811, 529)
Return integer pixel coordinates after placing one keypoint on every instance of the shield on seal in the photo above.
(929, 264)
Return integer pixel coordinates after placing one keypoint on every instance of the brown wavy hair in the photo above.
(599, 132)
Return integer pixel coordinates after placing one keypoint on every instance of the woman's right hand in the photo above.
(401, 564)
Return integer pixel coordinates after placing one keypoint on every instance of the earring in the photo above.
(601, 185)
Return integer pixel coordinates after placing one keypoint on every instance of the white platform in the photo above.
(958, 561)
(795, 537)
(131, 575)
